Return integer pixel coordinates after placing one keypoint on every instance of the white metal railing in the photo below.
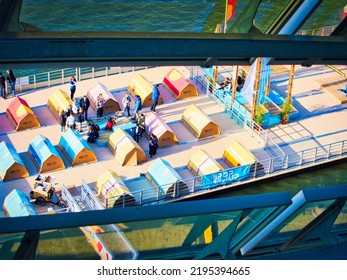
(278, 161)
(62, 76)
(264, 168)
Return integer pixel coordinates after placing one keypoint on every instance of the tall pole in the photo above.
(256, 87)
(290, 85)
(233, 92)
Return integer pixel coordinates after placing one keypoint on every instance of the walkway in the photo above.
(311, 130)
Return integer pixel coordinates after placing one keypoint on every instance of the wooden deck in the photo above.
(332, 85)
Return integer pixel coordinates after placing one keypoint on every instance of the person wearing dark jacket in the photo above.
(155, 97)
(12, 80)
(84, 104)
(73, 83)
(138, 106)
(153, 144)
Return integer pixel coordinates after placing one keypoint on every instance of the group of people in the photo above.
(75, 115)
(11, 79)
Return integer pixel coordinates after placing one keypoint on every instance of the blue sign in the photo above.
(225, 177)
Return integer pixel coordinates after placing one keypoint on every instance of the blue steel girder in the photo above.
(69, 49)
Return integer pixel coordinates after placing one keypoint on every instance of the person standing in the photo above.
(2, 86)
(126, 104)
(84, 104)
(138, 106)
(153, 145)
(71, 121)
(155, 97)
(79, 119)
(141, 122)
(100, 101)
(62, 120)
(73, 83)
(12, 80)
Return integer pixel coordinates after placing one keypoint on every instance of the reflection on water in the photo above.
(323, 177)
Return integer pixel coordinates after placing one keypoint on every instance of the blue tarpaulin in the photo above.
(76, 147)
(45, 154)
(164, 175)
(11, 165)
(17, 204)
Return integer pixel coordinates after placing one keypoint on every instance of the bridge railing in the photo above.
(62, 76)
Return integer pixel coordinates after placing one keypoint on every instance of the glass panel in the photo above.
(9, 244)
(341, 220)
(268, 11)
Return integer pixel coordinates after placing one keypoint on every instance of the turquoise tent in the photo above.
(76, 148)
(165, 177)
(11, 165)
(44, 154)
(17, 204)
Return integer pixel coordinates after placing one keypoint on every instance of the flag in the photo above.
(230, 9)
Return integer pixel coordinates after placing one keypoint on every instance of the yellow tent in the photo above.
(125, 148)
(199, 123)
(236, 155)
(112, 191)
(142, 87)
(58, 101)
(201, 163)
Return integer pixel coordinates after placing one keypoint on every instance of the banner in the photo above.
(225, 177)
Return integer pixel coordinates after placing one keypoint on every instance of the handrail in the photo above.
(62, 76)
(278, 165)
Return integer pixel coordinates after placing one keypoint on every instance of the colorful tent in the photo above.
(142, 87)
(21, 115)
(45, 155)
(155, 124)
(237, 155)
(11, 165)
(112, 191)
(58, 101)
(17, 204)
(201, 163)
(166, 178)
(178, 85)
(111, 105)
(76, 148)
(199, 123)
(125, 148)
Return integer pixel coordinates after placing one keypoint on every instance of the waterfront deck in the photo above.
(322, 122)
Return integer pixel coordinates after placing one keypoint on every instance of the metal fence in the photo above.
(60, 77)
(262, 169)
(278, 161)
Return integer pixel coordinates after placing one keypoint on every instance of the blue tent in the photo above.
(44, 154)
(11, 165)
(76, 148)
(17, 204)
(165, 177)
